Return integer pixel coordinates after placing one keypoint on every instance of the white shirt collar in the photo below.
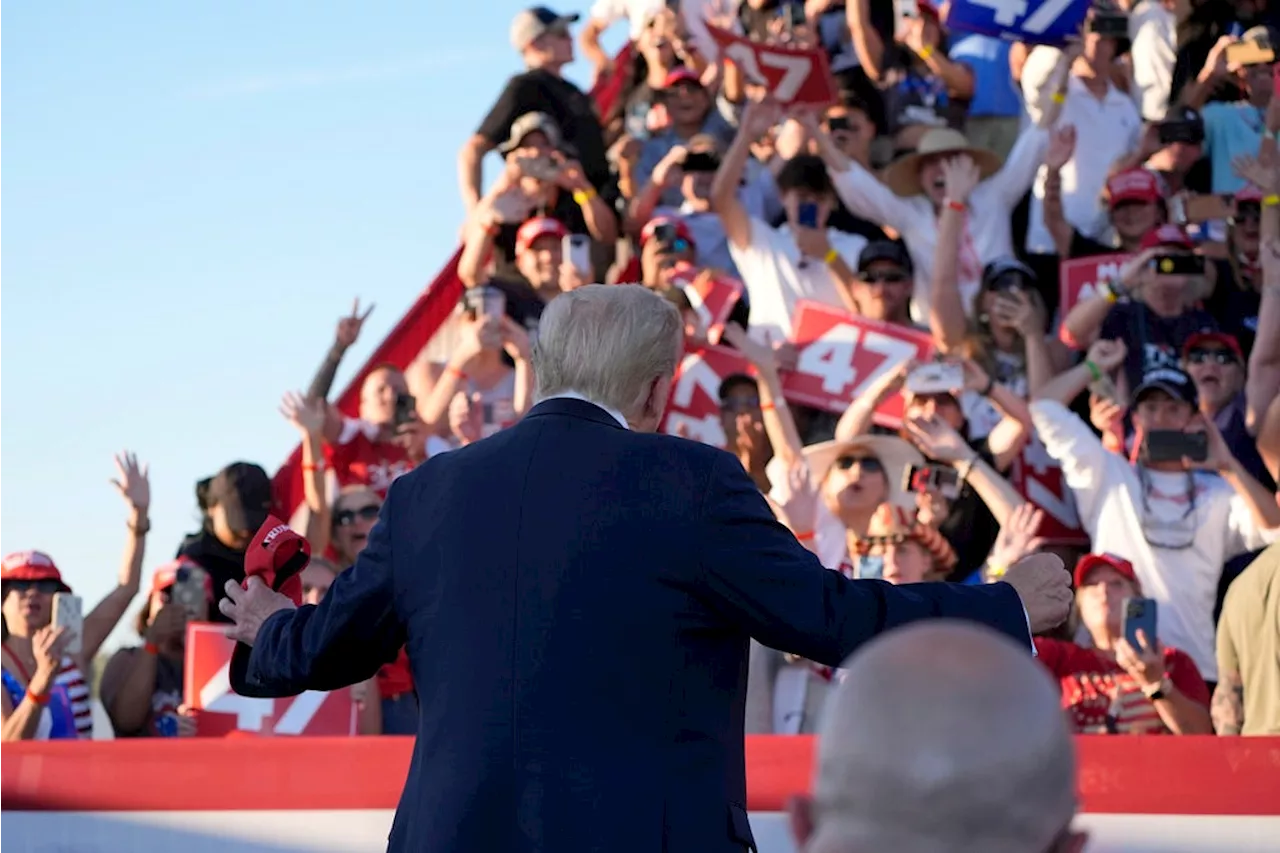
(574, 395)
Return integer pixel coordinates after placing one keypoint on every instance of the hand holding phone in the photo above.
(1139, 615)
(576, 249)
(1172, 445)
(68, 614)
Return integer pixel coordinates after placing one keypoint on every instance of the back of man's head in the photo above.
(608, 342)
(944, 736)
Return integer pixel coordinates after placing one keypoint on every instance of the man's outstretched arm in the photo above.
(343, 640)
(762, 577)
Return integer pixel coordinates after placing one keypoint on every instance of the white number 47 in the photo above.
(831, 358)
(1007, 12)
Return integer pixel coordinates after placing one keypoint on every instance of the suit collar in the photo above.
(575, 405)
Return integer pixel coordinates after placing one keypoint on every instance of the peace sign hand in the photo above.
(349, 327)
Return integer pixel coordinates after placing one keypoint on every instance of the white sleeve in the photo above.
(1088, 468)
(849, 246)
(1036, 73)
(1015, 177)
(1243, 533)
(865, 196)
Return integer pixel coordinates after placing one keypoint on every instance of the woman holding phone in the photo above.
(46, 693)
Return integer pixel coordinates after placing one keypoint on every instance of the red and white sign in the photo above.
(1039, 479)
(713, 297)
(207, 688)
(693, 411)
(1078, 278)
(793, 76)
(840, 355)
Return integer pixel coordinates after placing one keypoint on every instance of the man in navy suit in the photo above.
(577, 594)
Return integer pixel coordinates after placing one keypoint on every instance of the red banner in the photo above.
(207, 688)
(693, 410)
(712, 296)
(840, 355)
(1039, 479)
(1078, 278)
(793, 76)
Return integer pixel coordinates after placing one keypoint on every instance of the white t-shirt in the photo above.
(1153, 30)
(777, 277)
(1119, 514)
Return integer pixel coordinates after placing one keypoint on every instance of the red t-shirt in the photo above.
(356, 458)
(1102, 698)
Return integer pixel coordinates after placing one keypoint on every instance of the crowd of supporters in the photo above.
(939, 195)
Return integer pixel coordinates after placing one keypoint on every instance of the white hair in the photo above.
(607, 342)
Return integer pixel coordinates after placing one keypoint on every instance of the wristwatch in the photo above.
(1161, 690)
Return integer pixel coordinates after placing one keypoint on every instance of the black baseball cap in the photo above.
(994, 273)
(885, 250)
(243, 490)
(1172, 381)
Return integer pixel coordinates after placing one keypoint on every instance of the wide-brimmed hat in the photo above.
(903, 175)
(894, 454)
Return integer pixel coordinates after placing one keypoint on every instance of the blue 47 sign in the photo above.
(1030, 21)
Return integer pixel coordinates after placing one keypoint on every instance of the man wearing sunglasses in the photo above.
(1215, 362)
(883, 287)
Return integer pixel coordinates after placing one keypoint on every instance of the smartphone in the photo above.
(932, 478)
(542, 168)
(1171, 445)
(189, 590)
(795, 16)
(1139, 615)
(701, 161)
(1180, 264)
(577, 251)
(406, 409)
(939, 377)
(807, 215)
(1248, 53)
(870, 568)
(1190, 132)
(1207, 208)
(485, 301)
(837, 123)
(1110, 25)
(68, 613)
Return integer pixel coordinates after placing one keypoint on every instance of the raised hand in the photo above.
(1104, 413)
(132, 482)
(47, 646)
(1108, 355)
(937, 440)
(1062, 147)
(1017, 538)
(349, 327)
(1265, 177)
(307, 415)
(801, 506)
(960, 175)
(760, 355)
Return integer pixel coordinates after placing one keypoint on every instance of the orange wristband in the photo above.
(956, 206)
(767, 407)
(309, 468)
(38, 698)
(455, 373)
(808, 536)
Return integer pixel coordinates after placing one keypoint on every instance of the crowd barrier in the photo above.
(274, 795)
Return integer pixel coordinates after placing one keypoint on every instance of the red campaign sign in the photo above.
(207, 688)
(693, 409)
(712, 296)
(840, 355)
(799, 76)
(1039, 479)
(1078, 278)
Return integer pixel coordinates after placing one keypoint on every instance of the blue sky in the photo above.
(192, 194)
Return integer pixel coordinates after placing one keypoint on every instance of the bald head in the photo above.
(943, 736)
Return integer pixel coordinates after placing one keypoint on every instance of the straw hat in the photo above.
(903, 175)
(894, 454)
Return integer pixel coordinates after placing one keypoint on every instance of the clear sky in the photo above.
(193, 193)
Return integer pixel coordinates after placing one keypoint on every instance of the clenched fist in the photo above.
(1045, 589)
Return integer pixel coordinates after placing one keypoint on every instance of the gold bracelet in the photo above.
(925, 52)
(831, 256)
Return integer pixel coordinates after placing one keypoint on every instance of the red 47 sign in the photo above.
(840, 356)
(207, 687)
(792, 75)
(1078, 279)
(712, 296)
(1039, 479)
(693, 410)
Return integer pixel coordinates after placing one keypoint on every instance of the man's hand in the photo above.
(349, 327)
(249, 607)
(1045, 589)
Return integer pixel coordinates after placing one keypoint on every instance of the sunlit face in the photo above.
(540, 261)
(354, 514)
(1218, 374)
(556, 44)
(656, 41)
(1159, 411)
(1100, 600)
(687, 103)
(933, 180)
(316, 578)
(378, 395)
(856, 484)
(928, 406)
(1132, 219)
(28, 605)
(1099, 51)
(904, 562)
(883, 291)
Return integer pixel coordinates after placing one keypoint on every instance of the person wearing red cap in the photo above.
(141, 686)
(1134, 199)
(691, 110)
(1113, 687)
(1154, 311)
(45, 693)
(1216, 364)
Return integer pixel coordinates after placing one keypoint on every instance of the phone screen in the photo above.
(69, 615)
(807, 215)
(870, 568)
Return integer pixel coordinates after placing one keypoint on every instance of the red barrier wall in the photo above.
(1127, 775)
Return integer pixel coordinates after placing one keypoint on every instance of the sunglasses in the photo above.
(869, 464)
(744, 404)
(1217, 356)
(47, 586)
(347, 517)
(884, 278)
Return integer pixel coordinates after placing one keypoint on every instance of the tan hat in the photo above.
(903, 175)
(894, 454)
(892, 524)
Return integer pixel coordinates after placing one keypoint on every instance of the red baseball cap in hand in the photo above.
(277, 556)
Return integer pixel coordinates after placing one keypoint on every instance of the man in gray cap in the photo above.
(943, 736)
(541, 37)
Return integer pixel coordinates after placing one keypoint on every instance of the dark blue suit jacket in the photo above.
(577, 600)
